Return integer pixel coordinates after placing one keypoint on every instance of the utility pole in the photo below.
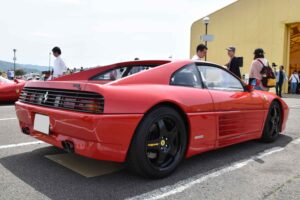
(206, 22)
(15, 59)
(49, 62)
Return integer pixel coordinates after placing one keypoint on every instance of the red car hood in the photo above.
(7, 84)
(10, 91)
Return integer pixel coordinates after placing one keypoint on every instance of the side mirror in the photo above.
(16, 81)
(249, 88)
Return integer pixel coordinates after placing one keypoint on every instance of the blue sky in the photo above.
(98, 32)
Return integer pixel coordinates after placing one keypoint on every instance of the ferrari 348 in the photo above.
(149, 114)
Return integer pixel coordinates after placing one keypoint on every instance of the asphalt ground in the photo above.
(251, 170)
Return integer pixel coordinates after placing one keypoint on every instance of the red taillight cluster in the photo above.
(88, 105)
(81, 101)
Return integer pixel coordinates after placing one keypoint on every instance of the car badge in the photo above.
(45, 97)
(77, 86)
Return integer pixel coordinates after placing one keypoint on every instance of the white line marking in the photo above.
(293, 107)
(4, 119)
(185, 184)
(296, 141)
(20, 144)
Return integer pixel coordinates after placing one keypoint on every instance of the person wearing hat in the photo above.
(281, 77)
(233, 64)
(255, 76)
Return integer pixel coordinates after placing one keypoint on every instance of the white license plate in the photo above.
(41, 123)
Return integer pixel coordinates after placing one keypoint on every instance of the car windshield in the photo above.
(121, 72)
(4, 80)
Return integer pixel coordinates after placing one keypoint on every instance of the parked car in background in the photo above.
(10, 89)
(150, 114)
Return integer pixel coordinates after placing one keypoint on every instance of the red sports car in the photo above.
(10, 90)
(150, 114)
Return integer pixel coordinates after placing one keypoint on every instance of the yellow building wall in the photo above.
(249, 24)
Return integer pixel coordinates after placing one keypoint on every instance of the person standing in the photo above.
(298, 88)
(280, 79)
(294, 79)
(10, 74)
(201, 52)
(59, 66)
(255, 76)
(233, 64)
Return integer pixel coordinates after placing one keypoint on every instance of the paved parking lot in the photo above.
(252, 170)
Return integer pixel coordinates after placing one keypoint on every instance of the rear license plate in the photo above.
(41, 123)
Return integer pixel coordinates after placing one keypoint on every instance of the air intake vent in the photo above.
(80, 101)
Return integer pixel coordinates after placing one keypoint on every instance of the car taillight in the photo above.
(80, 101)
(69, 102)
(89, 105)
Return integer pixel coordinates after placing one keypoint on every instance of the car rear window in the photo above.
(120, 72)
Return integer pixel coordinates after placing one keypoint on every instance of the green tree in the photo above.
(19, 72)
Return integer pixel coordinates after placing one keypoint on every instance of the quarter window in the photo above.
(187, 76)
(215, 78)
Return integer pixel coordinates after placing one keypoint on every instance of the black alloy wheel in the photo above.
(162, 143)
(273, 123)
(159, 143)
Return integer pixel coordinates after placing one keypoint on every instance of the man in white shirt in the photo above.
(59, 66)
(294, 79)
(201, 52)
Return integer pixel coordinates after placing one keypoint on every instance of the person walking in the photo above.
(59, 66)
(255, 76)
(298, 88)
(201, 52)
(233, 64)
(294, 80)
(280, 79)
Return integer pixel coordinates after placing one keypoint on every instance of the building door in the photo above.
(294, 49)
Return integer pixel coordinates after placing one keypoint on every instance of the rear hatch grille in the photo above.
(64, 99)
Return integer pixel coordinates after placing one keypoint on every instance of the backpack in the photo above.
(268, 76)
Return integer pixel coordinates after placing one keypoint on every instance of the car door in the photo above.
(239, 112)
(189, 90)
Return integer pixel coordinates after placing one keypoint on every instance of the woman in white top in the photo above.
(294, 79)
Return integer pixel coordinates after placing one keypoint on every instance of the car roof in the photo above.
(87, 74)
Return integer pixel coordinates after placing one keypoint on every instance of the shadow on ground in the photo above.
(57, 182)
(7, 104)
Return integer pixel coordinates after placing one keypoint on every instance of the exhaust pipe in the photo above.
(68, 146)
(26, 131)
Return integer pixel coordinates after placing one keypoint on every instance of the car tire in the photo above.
(159, 143)
(272, 125)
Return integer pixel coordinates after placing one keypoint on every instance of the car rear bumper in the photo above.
(101, 136)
